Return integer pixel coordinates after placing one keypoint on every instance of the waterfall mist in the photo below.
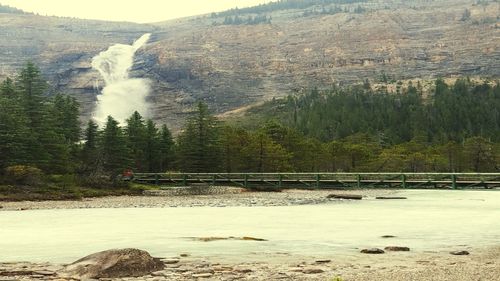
(121, 95)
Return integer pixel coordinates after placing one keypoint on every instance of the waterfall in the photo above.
(121, 95)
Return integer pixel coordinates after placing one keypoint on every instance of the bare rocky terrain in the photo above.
(231, 67)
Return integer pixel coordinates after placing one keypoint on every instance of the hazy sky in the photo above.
(128, 10)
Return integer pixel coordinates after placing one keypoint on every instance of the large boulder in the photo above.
(116, 263)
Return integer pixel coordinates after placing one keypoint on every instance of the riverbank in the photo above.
(232, 198)
(481, 264)
(11, 193)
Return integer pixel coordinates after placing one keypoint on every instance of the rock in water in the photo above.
(372, 251)
(397, 249)
(345, 196)
(252, 239)
(460, 253)
(116, 263)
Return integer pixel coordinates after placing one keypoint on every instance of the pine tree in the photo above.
(114, 148)
(166, 149)
(57, 148)
(136, 140)
(152, 147)
(31, 88)
(14, 128)
(199, 144)
(66, 113)
(90, 155)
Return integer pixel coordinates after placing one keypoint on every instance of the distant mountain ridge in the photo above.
(232, 66)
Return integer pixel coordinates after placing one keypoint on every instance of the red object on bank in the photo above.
(128, 173)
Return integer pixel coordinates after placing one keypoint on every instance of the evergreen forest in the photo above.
(455, 128)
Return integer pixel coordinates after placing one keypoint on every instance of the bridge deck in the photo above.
(325, 180)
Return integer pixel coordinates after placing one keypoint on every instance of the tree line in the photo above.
(447, 113)
(333, 10)
(250, 20)
(345, 129)
(10, 10)
(452, 128)
(283, 5)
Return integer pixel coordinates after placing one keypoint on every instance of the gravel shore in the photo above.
(437, 266)
(232, 198)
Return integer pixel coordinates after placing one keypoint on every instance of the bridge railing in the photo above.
(323, 180)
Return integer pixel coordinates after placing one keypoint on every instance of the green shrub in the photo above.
(63, 181)
(23, 175)
(102, 182)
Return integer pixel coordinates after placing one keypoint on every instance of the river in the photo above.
(427, 221)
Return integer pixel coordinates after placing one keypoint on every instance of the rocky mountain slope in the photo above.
(233, 66)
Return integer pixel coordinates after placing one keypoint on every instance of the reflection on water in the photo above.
(428, 220)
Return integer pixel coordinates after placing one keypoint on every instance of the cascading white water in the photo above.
(121, 95)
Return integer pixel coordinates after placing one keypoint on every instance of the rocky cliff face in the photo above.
(230, 67)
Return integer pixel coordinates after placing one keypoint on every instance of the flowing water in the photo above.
(428, 220)
(121, 95)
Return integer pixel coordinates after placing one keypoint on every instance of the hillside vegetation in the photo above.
(281, 5)
(346, 129)
(449, 113)
(10, 10)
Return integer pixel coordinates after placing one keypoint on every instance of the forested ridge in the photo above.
(455, 129)
(448, 113)
(10, 10)
(284, 5)
(244, 16)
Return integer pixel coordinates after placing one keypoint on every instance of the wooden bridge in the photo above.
(327, 180)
